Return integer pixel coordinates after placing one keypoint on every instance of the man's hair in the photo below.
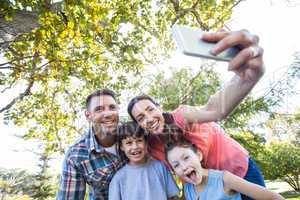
(98, 93)
(137, 99)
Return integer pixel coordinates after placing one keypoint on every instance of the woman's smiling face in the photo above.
(149, 116)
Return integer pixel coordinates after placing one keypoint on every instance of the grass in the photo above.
(291, 195)
(283, 189)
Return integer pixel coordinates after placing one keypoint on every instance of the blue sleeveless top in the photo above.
(214, 190)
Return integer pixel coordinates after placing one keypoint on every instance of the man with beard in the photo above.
(93, 160)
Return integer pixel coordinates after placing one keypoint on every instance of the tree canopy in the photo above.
(57, 52)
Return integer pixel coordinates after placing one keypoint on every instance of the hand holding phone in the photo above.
(189, 42)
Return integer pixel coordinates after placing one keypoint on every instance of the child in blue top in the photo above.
(200, 183)
(142, 177)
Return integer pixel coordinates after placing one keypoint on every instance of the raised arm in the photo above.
(248, 67)
(252, 190)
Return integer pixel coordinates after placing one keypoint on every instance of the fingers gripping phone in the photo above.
(189, 42)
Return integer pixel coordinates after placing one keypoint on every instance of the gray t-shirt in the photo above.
(149, 181)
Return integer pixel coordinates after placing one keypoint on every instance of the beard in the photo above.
(105, 135)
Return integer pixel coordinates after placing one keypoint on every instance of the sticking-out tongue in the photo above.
(193, 176)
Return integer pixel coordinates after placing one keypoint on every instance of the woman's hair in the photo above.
(129, 129)
(180, 141)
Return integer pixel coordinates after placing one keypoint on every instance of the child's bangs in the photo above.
(130, 129)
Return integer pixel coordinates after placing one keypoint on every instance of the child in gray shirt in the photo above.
(142, 177)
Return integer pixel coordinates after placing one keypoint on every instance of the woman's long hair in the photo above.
(171, 131)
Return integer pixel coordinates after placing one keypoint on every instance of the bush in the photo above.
(283, 160)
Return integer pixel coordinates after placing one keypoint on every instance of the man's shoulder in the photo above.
(79, 149)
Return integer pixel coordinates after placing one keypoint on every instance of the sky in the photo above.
(274, 21)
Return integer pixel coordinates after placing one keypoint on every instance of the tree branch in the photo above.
(10, 62)
(71, 101)
(290, 181)
(55, 124)
(27, 90)
(199, 21)
(20, 97)
(23, 22)
(9, 86)
(7, 67)
(234, 5)
(189, 86)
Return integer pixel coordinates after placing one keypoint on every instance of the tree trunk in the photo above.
(22, 22)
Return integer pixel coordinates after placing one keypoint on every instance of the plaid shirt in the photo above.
(87, 163)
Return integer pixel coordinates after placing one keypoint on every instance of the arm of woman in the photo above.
(221, 104)
(248, 67)
(252, 190)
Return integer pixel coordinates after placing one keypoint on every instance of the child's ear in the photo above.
(200, 155)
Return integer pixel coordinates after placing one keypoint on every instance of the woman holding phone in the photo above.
(197, 124)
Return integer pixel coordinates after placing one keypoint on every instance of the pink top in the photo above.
(219, 150)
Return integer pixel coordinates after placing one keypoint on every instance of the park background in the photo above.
(53, 53)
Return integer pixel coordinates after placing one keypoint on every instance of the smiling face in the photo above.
(103, 114)
(186, 163)
(135, 149)
(148, 116)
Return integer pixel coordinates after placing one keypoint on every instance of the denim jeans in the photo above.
(253, 175)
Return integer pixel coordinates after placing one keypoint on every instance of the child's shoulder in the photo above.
(156, 163)
(121, 172)
(158, 166)
(215, 175)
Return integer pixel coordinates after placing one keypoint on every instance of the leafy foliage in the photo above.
(78, 46)
(70, 48)
(194, 89)
(20, 184)
(14, 182)
(44, 186)
(284, 162)
(283, 157)
(255, 145)
(285, 127)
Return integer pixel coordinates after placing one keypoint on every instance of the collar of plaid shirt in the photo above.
(92, 143)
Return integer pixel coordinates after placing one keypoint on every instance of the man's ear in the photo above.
(87, 115)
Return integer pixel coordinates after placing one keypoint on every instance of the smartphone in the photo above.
(190, 43)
